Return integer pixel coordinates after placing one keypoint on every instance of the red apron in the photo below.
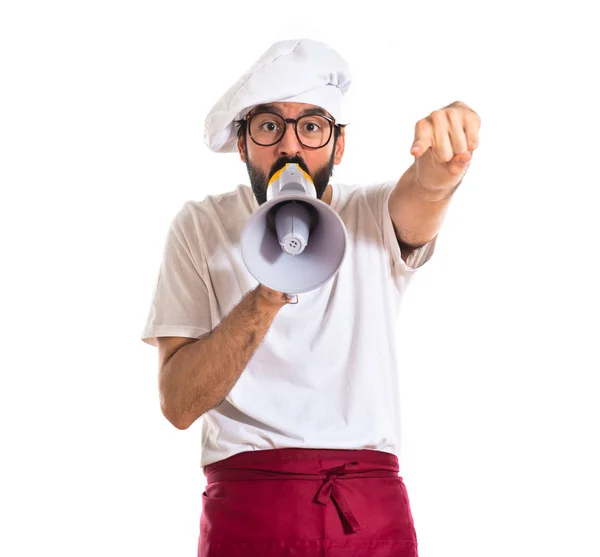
(306, 503)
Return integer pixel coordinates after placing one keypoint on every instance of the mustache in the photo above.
(282, 161)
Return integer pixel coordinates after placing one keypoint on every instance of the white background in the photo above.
(101, 120)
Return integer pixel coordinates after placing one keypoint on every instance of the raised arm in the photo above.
(443, 148)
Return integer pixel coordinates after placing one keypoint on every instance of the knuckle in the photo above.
(420, 125)
(473, 117)
(454, 116)
(471, 114)
(438, 115)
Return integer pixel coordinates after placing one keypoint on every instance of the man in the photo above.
(300, 401)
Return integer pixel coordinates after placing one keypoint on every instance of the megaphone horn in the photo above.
(294, 242)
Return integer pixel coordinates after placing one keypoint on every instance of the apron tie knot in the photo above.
(329, 490)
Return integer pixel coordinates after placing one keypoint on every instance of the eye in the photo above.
(269, 126)
(311, 126)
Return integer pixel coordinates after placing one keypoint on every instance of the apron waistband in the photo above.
(307, 464)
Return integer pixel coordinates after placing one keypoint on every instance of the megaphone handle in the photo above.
(290, 297)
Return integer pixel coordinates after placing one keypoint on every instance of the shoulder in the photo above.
(240, 198)
(216, 207)
(374, 195)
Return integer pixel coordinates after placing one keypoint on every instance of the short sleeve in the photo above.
(380, 197)
(180, 305)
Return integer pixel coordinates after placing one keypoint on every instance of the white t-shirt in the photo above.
(326, 373)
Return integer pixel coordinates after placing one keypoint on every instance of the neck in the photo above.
(328, 195)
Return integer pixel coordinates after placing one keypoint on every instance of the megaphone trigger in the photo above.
(291, 297)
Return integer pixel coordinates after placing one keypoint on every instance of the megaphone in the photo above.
(294, 242)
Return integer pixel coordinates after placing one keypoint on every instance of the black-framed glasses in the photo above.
(313, 130)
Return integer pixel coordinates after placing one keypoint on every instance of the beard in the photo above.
(259, 180)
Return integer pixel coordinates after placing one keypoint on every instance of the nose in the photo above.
(289, 146)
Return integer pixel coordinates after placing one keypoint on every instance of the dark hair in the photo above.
(242, 124)
(241, 128)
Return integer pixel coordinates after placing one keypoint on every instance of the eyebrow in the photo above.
(306, 112)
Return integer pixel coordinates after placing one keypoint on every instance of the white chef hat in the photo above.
(304, 71)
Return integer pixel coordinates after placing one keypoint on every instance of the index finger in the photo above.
(423, 138)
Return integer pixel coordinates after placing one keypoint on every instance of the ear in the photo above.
(241, 142)
(339, 147)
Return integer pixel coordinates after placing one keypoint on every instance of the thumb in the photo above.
(460, 163)
(462, 159)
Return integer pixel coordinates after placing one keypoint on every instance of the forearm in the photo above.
(417, 211)
(202, 373)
